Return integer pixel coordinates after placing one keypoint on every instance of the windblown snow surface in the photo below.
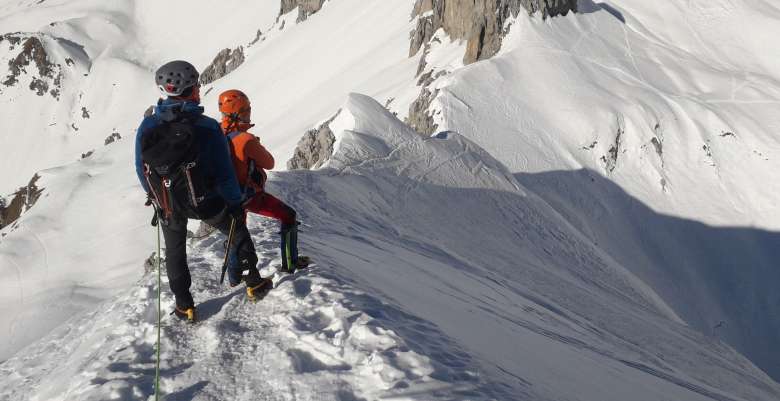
(594, 221)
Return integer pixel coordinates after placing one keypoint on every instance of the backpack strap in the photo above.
(233, 135)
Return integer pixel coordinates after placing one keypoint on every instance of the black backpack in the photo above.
(177, 182)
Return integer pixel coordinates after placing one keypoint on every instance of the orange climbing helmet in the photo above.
(236, 111)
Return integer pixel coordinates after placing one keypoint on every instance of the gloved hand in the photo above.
(236, 212)
(148, 199)
(259, 177)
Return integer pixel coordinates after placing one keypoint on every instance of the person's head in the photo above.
(236, 111)
(178, 80)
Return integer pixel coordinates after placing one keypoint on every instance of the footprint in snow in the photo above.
(302, 287)
(312, 322)
(304, 362)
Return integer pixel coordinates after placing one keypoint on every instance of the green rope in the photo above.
(159, 319)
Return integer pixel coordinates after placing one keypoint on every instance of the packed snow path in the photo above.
(306, 340)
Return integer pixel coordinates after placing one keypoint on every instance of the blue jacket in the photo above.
(214, 154)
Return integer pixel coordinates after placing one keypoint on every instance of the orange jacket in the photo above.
(244, 148)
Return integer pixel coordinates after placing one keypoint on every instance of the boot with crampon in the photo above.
(190, 314)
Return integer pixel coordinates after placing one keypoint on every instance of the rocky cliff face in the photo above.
(315, 148)
(224, 63)
(479, 22)
(305, 7)
(21, 201)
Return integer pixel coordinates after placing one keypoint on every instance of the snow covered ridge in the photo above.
(440, 228)
(597, 195)
(652, 128)
(313, 337)
(478, 290)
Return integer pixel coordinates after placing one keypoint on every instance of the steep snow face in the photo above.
(654, 130)
(85, 239)
(38, 74)
(674, 110)
(443, 230)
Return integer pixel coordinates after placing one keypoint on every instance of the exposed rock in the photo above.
(659, 147)
(34, 53)
(204, 230)
(84, 112)
(306, 8)
(21, 201)
(88, 154)
(419, 118)
(257, 37)
(479, 22)
(707, 150)
(611, 158)
(12, 39)
(426, 79)
(224, 63)
(421, 35)
(591, 146)
(113, 138)
(39, 86)
(314, 148)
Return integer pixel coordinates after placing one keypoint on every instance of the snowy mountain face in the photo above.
(503, 200)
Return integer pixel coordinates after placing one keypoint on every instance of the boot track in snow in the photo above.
(304, 340)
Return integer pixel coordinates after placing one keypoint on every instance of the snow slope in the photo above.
(653, 128)
(675, 102)
(511, 252)
(311, 338)
(113, 46)
(443, 314)
(124, 44)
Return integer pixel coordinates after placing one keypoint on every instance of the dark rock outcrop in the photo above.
(419, 116)
(315, 148)
(305, 7)
(21, 201)
(33, 54)
(224, 63)
(610, 160)
(479, 22)
(112, 138)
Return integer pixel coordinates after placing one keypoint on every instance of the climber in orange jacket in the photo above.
(250, 160)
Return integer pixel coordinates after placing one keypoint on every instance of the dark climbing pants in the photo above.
(242, 254)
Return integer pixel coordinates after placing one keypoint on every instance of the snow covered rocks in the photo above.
(32, 56)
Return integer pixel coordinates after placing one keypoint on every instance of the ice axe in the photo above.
(227, 250)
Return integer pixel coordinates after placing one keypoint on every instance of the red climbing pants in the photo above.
(268, 205)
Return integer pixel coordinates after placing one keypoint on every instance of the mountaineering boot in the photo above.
(289, 245)
(189, 314)
(256, 286)
(302, 262)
